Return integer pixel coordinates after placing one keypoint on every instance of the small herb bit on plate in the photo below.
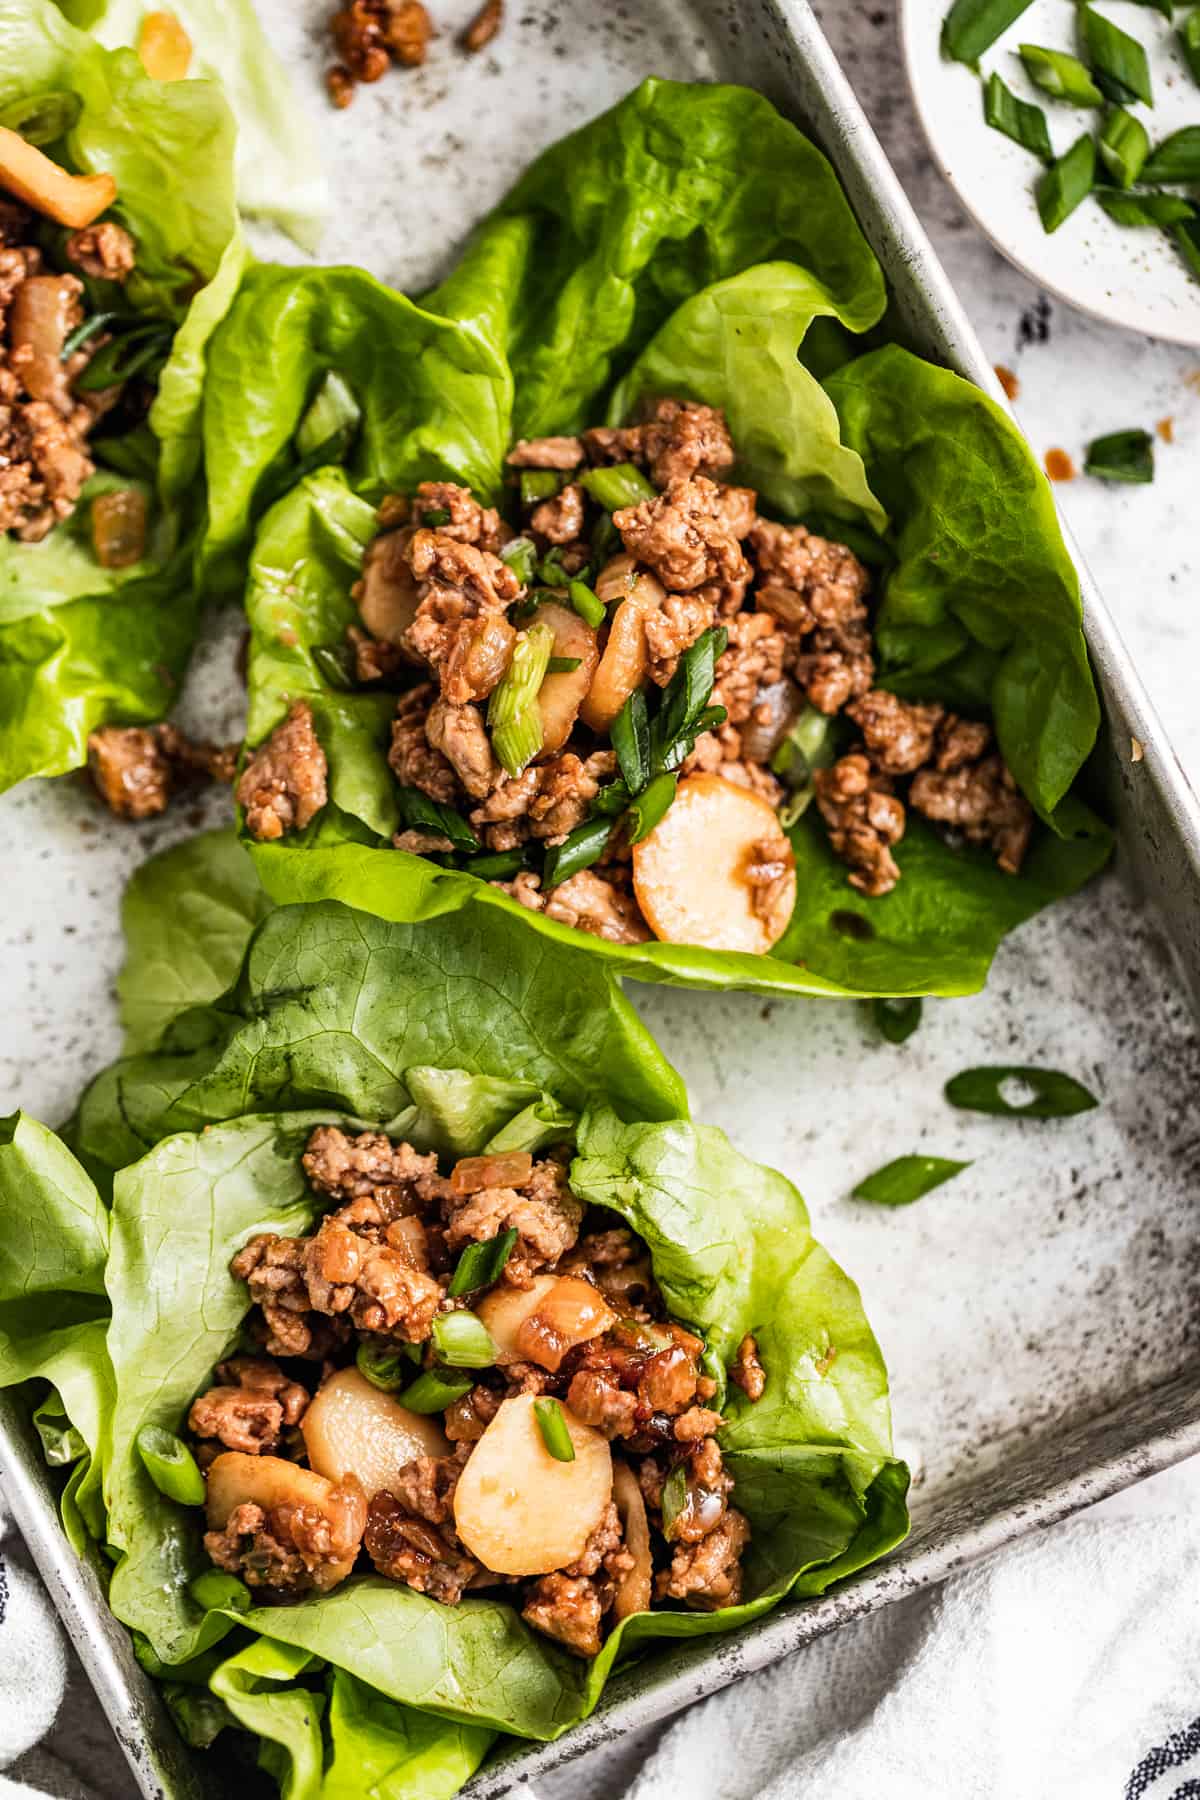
(1051, 1095)
(906, 1179)
(1177, 158)
(1066, 183)
(1124, 145)
(1144, 209)
(1118, 61)
(972, 26)
(1019, 120)
(1058, 73)
(1187, 240)
(1121, 456)
(897, 1019)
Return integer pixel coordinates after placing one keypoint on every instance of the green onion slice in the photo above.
(1066, 183)
(42, 118)
(579, 850)
(1118, 61)
(216, 1591)
(141, 351)
(1060, 74)
(906, 1179)
(497, 865)
(588, 605)
(463, 1341)
(686, 697)
(514, 718)
(482, 1264)
(170, 1465)
(896, 1020)
(650, 805)
(1144, 209)
(1054, 1096)
(1019, 120)
(1189, 40)
(674, 1499)
(87, 330)
(631, 740)
(336, 663)
(1122, 455)
(972, 26)
(386, 1366)
(435, 1390)
(553, 1426)
(621, 485)
(1124, 145)
(1177, 158)
(1186, 238)
(419, 813)
(563, 665)
(539, 484)
(334, 414)
(520, 554)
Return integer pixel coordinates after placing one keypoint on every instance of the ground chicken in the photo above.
(368, 1165)
(467, 1419)
(547, 800)
(570, 1609)
(459, 628)
(747, 1371)
(465, 520)
(983, 802)
(719, 752)
(412, 759)
(769, 874)
(543, 1211)
(960, 741)
(563, 453)
(673, 628)
(250, 1405)
(369, 35)
(682, 438)
(586, 901)
(898, 735)
(688, 536)
(803, 577)
(836, 666)
(459, 734)
(374, 659)
(283, 786)
(104, 251)
(560, 519)
(753, 659)
(408, 1549)
(291, 1549)
(864, 818)
(708, 1574)
(619, 1265)
(137, 769)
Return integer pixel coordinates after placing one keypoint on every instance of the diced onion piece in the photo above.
(74, 200)
(774, 714)
(38, 323)
(119, 528)
(691, 874)
(164, 47)
(634, 1587)
(270, 1481)
(622, 667)
(506, 1309)
(569, 1313)
(471, 1174)
(387, 597)
(561, 696)
(517, 1508)
(355, 1428)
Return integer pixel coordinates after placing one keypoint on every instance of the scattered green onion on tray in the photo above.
(1121, 456)
(1124, 145)
(1066, 183)
(1061, 75)
(1018, 119)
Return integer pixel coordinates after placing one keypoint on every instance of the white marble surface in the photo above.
(1077, 379)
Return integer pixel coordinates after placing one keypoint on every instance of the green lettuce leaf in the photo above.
(81, 645)
(735, 345)
(278, 170)
(981, 562)
(187, 915)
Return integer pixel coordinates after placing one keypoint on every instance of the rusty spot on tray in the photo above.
(1166, 429)
(1008, 381)
(1059, 466)
(1137, 750)
(1192, 380)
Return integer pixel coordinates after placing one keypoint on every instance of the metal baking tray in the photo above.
(1037, 1315)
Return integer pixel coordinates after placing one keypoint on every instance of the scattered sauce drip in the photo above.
(1008, 381)
(1059, 466)
(1192, 380)
(1166, 429)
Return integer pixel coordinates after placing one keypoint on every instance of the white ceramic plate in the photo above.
(1130, 277)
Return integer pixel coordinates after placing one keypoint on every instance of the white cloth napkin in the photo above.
(33, 1665)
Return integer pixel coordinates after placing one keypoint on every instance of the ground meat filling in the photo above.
(45, 424)
(284, 785)
(377, 1265)
(137, 770)
(747, 1371)
(438, 597)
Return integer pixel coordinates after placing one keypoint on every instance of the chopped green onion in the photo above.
(677, 753)
(463, 1341)
(687, 693)
(82, 334)
(139, 352)
(578, 850)
(419, 813)
(435, 1390)
(386, 1366)
(514, 719)
(611, 800)
(482, 1264)
(337, 667)
(897, 1019)
(552, 572)
(563, 665)
(606, 539)
(1055, 1096)
(906, 1179)
(1117, 60)
(61, 1443)
(621, 485)
(1144, 209)
(1177, 158)
(1189, 38)
(170, 1465)
(588, 605)
(553, 1426)
(539, 484)
(1121, 456)
(808, 746)
(674, 1499)
(1124, 145)
(1059, 74)
(972, 26)
(436, 515)
(1024, 123)
(649, 807)
(1165, 7)
(630, 735)
(334, 415)
(1186, 238)
(216, 1591)
(42, 118)
(1065, 183)
(521, 557)
(497, 866)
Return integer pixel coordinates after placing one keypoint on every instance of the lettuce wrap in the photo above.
(82, 644)
(691, 242)
(462, 1033)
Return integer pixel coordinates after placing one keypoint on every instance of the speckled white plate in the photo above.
(1129, 277)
